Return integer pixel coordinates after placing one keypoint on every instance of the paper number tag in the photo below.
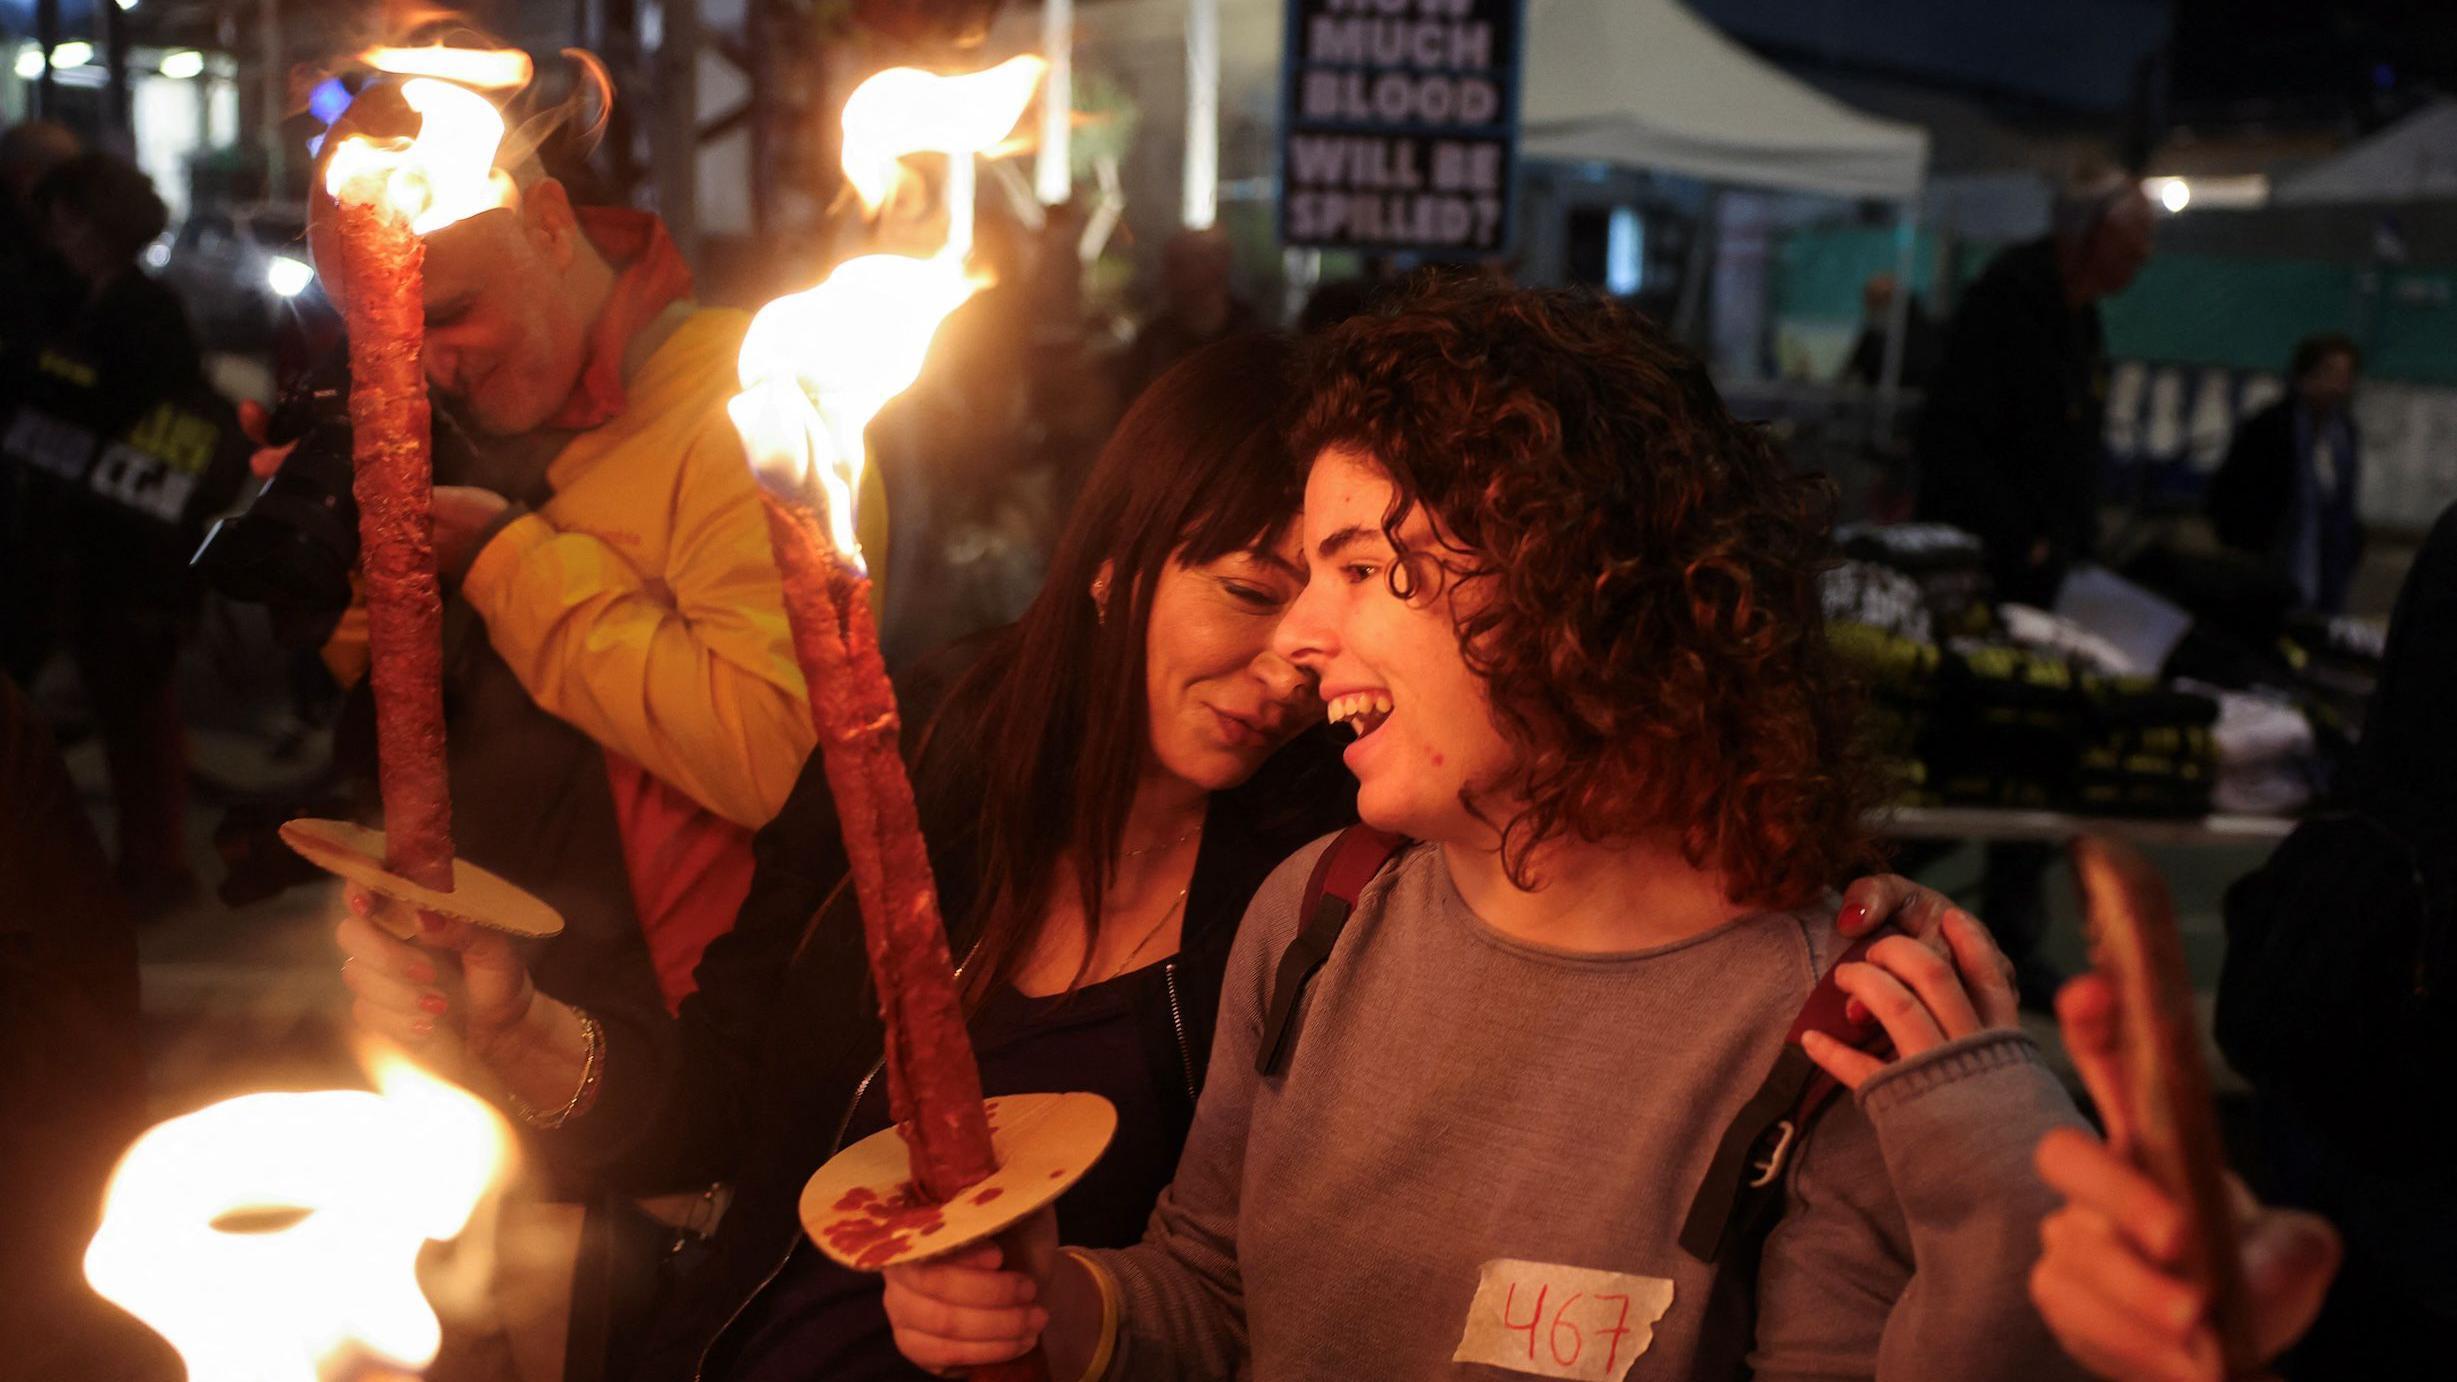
(1561, 1321)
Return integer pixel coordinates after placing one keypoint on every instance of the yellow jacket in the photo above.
(641, 602)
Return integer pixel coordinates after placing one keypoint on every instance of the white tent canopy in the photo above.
(1633, 83)
(2413, 159)
(1647, 84)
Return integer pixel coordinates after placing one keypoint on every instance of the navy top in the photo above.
(819, 1320)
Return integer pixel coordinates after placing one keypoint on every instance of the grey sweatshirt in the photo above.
(1483, 1150)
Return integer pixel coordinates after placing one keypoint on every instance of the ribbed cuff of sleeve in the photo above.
(1957, 1060)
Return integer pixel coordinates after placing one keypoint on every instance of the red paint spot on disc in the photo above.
(988, 1195)
(876, 1230)
(1059, 1174)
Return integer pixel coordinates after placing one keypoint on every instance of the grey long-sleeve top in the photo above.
(1483, 1149)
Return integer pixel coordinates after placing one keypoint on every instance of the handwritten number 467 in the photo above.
(1563, 1338)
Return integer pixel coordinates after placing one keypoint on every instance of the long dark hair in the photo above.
(1197, 469)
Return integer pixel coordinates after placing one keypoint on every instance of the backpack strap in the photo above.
(1744, 1183)
(1340, 875)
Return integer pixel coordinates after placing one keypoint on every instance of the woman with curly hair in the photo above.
(1568, 606)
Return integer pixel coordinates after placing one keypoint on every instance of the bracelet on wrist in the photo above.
(592, 1063)
(1105, 1349)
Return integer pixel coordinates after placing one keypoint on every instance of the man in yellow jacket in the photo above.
(623, 705)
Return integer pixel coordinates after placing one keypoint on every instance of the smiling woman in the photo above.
(1628, 568)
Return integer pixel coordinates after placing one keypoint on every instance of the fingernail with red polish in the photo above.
(1855, 916)
(434, 1003)
(430, 923)
(356, 902)
(1855, 1011)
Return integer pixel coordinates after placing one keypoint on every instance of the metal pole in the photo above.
(1897, 321)
(119, 124)
(1689, 311)
(46, 37)
(272, 91)
(1053, 176)
(1202, 201)
(675, 138)
(760, 29)
(618, 29)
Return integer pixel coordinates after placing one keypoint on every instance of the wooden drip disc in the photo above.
(478, 896)
(863, 1210)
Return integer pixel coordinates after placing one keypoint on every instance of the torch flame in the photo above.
(264, 1235)
(818, 365)
(488, 69)
(445, 174)
(905, 110)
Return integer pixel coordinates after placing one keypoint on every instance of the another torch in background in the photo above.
(816, 367)
(275, 1237)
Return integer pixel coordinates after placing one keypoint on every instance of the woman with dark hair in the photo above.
(1102, 787)
(1568, 606)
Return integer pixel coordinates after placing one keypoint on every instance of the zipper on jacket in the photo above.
(699, 1369)
(1177, 1020)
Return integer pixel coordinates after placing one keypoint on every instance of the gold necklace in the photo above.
(1164, 844)
(1149, 936)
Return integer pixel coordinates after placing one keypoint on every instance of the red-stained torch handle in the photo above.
(382, 265)
(934, 1080)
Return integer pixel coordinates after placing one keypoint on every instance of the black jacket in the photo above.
(755, 1079)
(2010, 444)
(2252, 500)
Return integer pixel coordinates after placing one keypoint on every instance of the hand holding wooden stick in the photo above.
(2168, 1125)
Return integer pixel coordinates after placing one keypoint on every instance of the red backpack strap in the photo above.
(1744, 1183)
(1340, 875)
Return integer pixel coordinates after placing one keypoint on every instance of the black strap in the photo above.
(1339, 877)
(1744, 1183)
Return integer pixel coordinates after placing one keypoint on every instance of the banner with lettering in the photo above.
(1399, 125)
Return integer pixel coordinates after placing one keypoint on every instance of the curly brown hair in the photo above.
(1645, 614)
